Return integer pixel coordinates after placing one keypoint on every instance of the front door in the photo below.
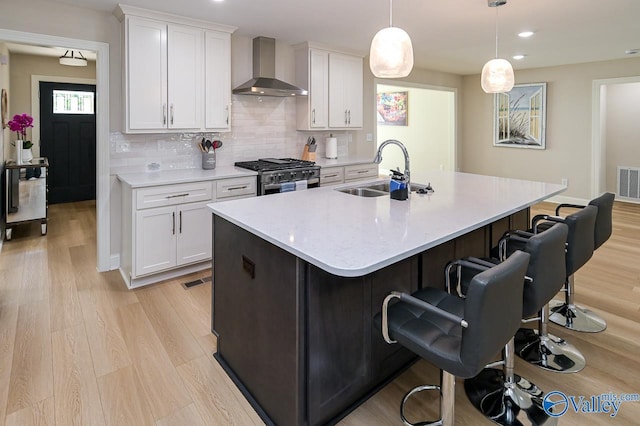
(68, 140)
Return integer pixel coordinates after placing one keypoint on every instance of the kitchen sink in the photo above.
(363, 192)
(376, 189)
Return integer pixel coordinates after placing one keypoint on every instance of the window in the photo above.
(535, 116)
(73, 102)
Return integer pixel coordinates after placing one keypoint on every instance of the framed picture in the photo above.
(519, 117)
(393, 108)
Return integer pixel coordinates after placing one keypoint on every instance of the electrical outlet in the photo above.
(369, 137)
(565, 182)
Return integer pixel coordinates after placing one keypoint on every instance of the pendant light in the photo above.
(391, 54)
(73, 60)
(497, 74)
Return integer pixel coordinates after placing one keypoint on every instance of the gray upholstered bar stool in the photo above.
(547, 270)
(567, 313)
(459, 336)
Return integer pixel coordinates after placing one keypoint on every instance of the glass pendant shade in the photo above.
(497, 76)
(391, 54)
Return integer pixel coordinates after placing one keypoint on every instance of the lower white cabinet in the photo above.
(172, 236)
(166, 229)
(344, 174)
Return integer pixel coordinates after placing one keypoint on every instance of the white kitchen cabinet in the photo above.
(331, 175)
(360, 171)
(312, 72)
(166, 59)
(167, 237)
(217, 81)
(345, 174)
(334, 82)
(345, 91)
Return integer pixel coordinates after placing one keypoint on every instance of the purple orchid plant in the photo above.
(19, 124)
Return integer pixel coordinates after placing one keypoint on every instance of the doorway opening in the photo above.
(616, 105)
(423, 118)
(102, 128)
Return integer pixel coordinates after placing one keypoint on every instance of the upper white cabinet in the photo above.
(217, 80)
(177, 73)
(334, 82)
(345, 91)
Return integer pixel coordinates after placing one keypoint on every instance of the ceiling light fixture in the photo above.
(497, 74)
(525, 34)
(518, 57)
(391, 53)
(73, 60)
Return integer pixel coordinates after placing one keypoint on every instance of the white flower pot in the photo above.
(27, 155)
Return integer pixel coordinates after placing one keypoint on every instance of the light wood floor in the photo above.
(77, 348)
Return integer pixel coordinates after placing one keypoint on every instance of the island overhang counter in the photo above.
(299, 276)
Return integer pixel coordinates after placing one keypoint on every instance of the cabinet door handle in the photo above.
(172, 114)
(313, 116)
(349, 117)
(345, 116)
(228, 113)
(180, 222)
(164, 114)
(186, 194)
(173, 219)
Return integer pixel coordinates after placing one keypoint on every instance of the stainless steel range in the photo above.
(281, 174)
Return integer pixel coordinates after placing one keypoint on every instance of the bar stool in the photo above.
(459, 336)
(547, 269)
(567, 313)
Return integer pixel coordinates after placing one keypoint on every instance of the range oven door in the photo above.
(276, 188)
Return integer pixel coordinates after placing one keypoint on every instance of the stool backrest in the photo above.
(493, 309)
(580, 240)
(604, 220)
(547, 268)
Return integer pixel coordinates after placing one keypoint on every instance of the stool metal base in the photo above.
(551, 353)
(406, 398)
(518, 403)
(575, 318)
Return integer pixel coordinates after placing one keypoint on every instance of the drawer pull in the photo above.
(186, 194)
(234, 188)
(330, 176)
(362, 171)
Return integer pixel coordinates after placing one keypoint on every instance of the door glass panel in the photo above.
(73, 102)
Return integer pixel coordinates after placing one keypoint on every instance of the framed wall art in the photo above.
(519, 117)
(393, 108)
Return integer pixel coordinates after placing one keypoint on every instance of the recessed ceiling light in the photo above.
(525, 34)
(518, 57)
(218, 1)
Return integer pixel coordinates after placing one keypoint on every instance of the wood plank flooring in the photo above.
(78, 348)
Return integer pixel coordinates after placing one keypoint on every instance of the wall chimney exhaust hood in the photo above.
(264, 82)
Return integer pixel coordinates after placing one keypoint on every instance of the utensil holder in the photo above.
(209, 160)
(308, 156)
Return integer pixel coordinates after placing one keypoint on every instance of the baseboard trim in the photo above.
(162, 276)
(114, 262)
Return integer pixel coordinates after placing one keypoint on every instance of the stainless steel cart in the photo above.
(26, 194)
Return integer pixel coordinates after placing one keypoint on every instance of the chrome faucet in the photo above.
(378, 159)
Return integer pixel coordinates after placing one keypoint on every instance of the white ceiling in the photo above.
(45, 51)
(448, 35)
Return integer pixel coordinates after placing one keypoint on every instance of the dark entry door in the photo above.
(68, 140)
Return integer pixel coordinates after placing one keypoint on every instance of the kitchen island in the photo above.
(298, 277)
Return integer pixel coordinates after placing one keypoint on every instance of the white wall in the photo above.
(429, 134)
(568, 137)
(622, 134)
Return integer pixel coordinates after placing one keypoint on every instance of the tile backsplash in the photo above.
(261, 127)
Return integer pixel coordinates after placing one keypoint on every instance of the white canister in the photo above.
(331, 147)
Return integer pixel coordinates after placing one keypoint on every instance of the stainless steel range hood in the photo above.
(264, 82)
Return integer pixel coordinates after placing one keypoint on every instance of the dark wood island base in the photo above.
(300, 342)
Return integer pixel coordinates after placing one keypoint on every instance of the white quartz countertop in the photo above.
(343, 161)
(167, 177)
(349, 236)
